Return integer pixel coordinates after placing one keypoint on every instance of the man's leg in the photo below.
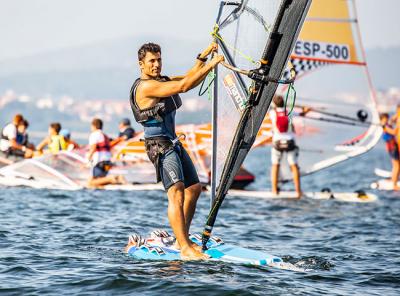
(102, 181)
(292, 158)
(192, 194)
(274, 178)
(276, 157)
(193, 187)
(176, 200)
(296, 179)
(395, 173)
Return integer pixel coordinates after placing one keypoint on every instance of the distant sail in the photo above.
(333, 80)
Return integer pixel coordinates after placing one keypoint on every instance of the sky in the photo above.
(28, 27)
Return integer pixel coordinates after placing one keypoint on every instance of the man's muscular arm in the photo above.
(157, 89)
(199, 64)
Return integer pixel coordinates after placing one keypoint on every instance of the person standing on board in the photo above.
(389, 136)
(154, 101)
(100, 156)
(9, 146)
(283, 142)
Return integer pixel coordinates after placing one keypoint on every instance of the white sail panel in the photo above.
(334, 83)
(243, 35)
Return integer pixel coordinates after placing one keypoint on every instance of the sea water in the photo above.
(66, 243)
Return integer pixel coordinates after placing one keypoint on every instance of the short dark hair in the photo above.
(97, 123)
(56, 126)
(25, 123)
(148, 47)
(278, 101)
(383, 115)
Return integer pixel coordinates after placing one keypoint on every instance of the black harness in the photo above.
(285, 145)
(157, 112)
(157, 147)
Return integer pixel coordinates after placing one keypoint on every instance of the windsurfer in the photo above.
(154, 101)
(100, 156)
(126, 132)
(22, 135)
(9, 147)
(71, 144)
(283, 142)
(54, 141)
(389, 136)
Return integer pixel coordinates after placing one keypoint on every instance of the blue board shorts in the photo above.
(101, 169)
(177, 166)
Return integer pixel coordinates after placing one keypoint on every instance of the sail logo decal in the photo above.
(234, 91)
(322, 50)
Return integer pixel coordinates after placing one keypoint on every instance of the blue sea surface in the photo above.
(71, 243)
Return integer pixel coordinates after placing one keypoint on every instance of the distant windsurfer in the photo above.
(10, 149)
(389, 136)
(154, 101)
(54, 141)
(100, 157)
(283, 142)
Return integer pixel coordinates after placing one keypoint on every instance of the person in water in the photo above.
(54, 141)
(126, 132)
(9, 146)
(283, 143)
(100, 156)
(389, 136)
(154, 101)
(71, 144)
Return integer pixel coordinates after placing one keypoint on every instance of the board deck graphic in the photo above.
(156, 249)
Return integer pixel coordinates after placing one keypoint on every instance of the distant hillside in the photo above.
(106, 70)
(102, 70)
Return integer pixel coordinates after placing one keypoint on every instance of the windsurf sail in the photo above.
(258, 36)
(334, 83)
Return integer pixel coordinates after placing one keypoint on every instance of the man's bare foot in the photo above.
(275, 192)
(177, 246)
(396, 188)
(299, 194)
(190, 253)
(128, 246)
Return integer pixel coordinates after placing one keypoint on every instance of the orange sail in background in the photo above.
(197, 143)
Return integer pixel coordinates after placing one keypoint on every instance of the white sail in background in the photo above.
(333, 81)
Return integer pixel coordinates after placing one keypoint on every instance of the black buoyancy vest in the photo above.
(157, 112)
